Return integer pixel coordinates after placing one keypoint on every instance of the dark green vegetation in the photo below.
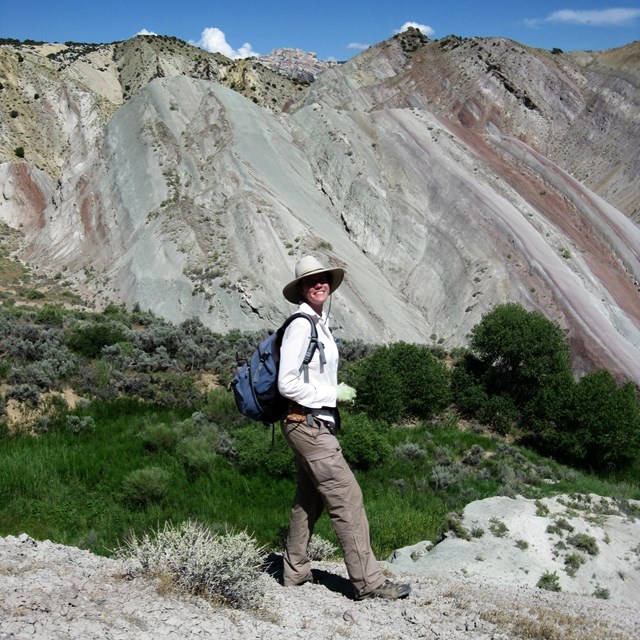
(517, 377)
(153, 441)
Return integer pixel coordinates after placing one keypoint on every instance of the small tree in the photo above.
(398, 380)
(425, 380)
(521, 355)
(379, 387)
(521, 349)
(603, 428)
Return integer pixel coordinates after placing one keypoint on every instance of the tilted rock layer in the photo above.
(446, 176)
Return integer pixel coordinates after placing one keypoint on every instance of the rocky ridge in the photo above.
(295, 63)
(446, 175)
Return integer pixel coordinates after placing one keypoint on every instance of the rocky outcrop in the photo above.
(580, 544)
(295, 63)
(447, 176)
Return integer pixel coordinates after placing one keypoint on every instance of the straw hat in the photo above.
(310, 266)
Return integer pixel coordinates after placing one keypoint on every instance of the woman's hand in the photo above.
(345, 394)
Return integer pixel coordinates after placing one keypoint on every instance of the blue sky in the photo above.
(333, 29)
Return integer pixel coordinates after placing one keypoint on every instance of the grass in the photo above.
(548, 623)
(71, 488)
(76, 488)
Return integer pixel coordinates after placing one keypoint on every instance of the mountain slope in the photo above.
(447, 176)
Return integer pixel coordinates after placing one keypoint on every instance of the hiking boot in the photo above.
(389, 590)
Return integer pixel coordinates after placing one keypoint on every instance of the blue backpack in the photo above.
(255, 385)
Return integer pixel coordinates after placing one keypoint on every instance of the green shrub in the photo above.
(601, 593)
(226, 568)
(522, 348)
(519, 355)
(19, 152)
(214, 437)
(196, 456)
(159, 437)
(78, 424)
(542, 510)
(454, 527)
(34, 294)
(585, 543)
(89, 339)
(400, 380)
(380, 393)
(572, 563)
(177, 391)
(424, 380)
(145, 486)
(517, 374)
(500, 412)
(498, 528)
(50, 314)
(469, 394)
(549, 582)
(257, 451)
(363, 440)
(559, 525)
(603, 427)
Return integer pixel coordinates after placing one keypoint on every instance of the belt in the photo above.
(299, 413)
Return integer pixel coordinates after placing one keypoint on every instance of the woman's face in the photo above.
(316, 290)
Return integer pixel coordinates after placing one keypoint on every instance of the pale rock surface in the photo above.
(52, 591)
(526, 550)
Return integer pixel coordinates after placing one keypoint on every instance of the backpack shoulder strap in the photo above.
(314, 343)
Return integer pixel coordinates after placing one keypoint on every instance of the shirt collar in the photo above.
(306, 308)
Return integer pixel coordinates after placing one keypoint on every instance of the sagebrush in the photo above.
(226, 568)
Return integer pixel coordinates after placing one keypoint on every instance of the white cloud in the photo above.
(593, 18)
(358, 45)
(145, 32)
(214, 40)
(604, 17)
(427, 30)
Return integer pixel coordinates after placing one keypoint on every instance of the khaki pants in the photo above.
(324, 479)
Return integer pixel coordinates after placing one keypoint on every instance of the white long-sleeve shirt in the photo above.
(320, 391)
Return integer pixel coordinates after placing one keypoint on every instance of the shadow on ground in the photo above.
(274, 567)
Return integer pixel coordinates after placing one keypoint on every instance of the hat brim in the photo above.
(292, 293)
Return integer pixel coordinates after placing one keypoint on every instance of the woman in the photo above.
(324, 479)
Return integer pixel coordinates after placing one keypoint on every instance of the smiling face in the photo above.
(315, 290)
